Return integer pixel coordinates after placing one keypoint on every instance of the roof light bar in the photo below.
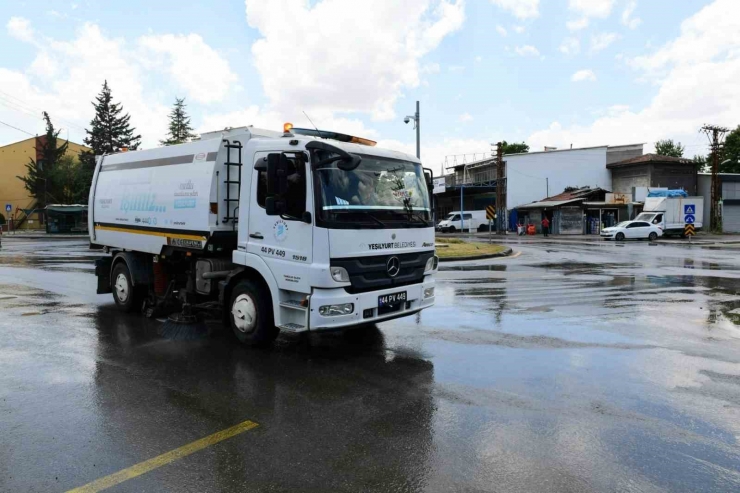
(333, 135)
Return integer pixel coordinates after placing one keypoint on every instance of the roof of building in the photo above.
(578, 195)
(39, 137)
(650, 158)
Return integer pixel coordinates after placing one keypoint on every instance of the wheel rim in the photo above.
(244, 313)
(620, 236)
(653, 236)
(122, 289)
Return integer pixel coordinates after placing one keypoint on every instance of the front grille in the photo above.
(370, 273)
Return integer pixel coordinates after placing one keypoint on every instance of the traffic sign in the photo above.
(8, 207)
(490, 212)
(689, 209)
(689, 230)
(689, 219)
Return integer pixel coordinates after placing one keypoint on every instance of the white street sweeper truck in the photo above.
(304, 230)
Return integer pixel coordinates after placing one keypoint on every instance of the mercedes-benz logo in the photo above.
(393, 266)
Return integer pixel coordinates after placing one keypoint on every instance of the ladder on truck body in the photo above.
(233, 217)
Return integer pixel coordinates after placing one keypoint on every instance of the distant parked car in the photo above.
(629, 230)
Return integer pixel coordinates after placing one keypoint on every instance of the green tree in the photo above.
(110, 132)
(515, 147)
(69, 187)
(701, 164)
(180, 129)
(731, 152)
(38, 179)
(667, 147)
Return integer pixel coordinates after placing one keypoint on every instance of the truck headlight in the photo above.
(339, 274)
(428, 293)
(431, 264)
(343, 309)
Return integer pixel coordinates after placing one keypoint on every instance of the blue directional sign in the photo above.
(689, 209)
(8, 207)
(689, 219)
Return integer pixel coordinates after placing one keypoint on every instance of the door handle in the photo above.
(257, 236)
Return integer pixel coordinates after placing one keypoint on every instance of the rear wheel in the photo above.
(251, 315)
(653, 236)
(619, 237)
(127, 296)
(482, 228)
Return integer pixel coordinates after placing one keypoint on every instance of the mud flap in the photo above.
(102, 272)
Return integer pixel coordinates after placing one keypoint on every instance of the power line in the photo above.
(19, 129)
(27, 107)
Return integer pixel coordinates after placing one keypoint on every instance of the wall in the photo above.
(526, 173)
(614, 154)
(624, 179)
(705, 190)
(13, 160)
(674, 177)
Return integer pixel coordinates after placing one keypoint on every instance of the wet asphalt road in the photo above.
(572, 367)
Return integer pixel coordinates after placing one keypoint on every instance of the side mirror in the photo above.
(277, 174)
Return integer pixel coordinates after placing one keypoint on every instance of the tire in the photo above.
(128, 297)
(482, 228)
(250, 315)
(653, 236)
(619, 237)
(451, 229)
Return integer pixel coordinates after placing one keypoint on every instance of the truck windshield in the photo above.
(380, 192)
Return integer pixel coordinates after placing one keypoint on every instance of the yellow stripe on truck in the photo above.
(150, 233)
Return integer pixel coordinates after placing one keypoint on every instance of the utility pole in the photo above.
(500, 190)
(715, 135)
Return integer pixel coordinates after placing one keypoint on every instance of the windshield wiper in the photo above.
(368, 214)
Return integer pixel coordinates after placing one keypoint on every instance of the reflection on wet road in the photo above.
(570, 368)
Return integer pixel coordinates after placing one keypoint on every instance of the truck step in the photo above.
(294, 304)
(292, 328)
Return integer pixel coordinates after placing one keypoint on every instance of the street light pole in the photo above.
(418, 132)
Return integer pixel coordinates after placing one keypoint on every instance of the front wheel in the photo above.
(619, 237)
(653, 236)
(127, 296)
(451, 229)
(251, 315)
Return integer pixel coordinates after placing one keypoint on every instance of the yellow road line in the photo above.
(150, 233)
(164, 459)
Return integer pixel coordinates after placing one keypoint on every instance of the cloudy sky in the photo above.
(549, 72)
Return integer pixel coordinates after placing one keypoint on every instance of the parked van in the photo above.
(472, 221)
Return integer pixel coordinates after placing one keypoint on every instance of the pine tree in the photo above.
(39, 172)
(110, 130)
(180, 129)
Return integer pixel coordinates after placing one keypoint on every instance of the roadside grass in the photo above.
(455, 247)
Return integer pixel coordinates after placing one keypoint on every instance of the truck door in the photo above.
(284, 242)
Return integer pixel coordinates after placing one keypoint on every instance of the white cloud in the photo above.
(478, 59)
(198, 69)
(696, 76)
(501, 30)
(20, 28)
(570, 46)
(430, 68)
(527, 50)
(578, 24)
(66, 75)
(627, 19)
(465, 117)
(301, 68)
(591, 8)
(601, 41)
(522, 9)
(455, 68)
(518, 29)
(583, 75)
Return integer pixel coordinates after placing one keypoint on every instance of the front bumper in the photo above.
(415, 302)
(607, 235)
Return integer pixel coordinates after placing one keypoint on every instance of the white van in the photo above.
(472, 221)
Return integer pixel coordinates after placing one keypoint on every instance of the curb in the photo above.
(505, 253)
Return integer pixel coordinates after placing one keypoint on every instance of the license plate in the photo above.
(391, 299)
